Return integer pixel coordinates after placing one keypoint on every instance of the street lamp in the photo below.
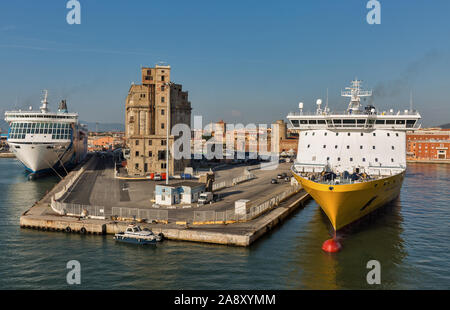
(167, 132)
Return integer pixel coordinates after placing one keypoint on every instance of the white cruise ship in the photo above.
(351, 162)
(46, 141)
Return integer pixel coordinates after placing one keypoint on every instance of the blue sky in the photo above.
(241, 61)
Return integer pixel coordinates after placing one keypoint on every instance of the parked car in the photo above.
(274, 181)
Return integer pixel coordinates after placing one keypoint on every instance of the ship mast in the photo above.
(44, 102)
(355, 92)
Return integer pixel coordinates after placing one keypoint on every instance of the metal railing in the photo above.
(74, 209)
(140, 214)
(252, 212)
(233, 182)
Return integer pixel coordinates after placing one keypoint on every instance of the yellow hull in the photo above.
(346, 203)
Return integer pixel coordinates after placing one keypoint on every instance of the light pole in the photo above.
(167, 133)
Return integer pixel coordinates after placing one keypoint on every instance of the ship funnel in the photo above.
(62, 107)
(44, 108)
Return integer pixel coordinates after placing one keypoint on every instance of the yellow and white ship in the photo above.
(353, 162)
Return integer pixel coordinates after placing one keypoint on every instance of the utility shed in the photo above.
(185, 192)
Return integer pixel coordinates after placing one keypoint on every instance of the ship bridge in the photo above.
(356, 140)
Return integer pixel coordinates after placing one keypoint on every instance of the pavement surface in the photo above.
(98, 187)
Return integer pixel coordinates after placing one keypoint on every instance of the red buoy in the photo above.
(331, 246)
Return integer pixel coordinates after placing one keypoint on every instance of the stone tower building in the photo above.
(149, 109)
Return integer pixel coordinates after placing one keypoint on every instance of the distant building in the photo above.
(428, 144)
(146, 111)
(186, 192)
(105, 141)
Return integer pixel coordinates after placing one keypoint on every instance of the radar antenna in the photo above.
(355, 92)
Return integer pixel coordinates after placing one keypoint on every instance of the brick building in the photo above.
(428, 144)
(151, 108)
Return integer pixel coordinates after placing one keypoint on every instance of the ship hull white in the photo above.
(41, 158)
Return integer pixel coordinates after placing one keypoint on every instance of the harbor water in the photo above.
(408, 237)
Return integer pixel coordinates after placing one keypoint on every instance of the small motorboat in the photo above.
(134, 234)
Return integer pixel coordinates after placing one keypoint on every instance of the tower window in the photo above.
(137, 142)
(162, 125)
(162, 111)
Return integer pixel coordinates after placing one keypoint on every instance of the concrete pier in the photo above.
(179, 226)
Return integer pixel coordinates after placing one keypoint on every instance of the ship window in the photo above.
(374, 134)
(312, 121)
(325, 134)
(335, 146)
(294, 123)
(348, 134)
(400, 121)
(324, 146)
(360, 147)
(351, 158)
(393, 147)
(373, 147)
(337, 121)
(410, 123)
(321, 121)
(361, 121)
(392, 160)
(349, 121)
(376, 159)
(396, 134)
(328, 158)
(314, 133)
(303, 121)
(390, 122)
(348, 147)
(306, 133)
(308, 146)
(380, 121)
(364, 159)
(339, 159)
